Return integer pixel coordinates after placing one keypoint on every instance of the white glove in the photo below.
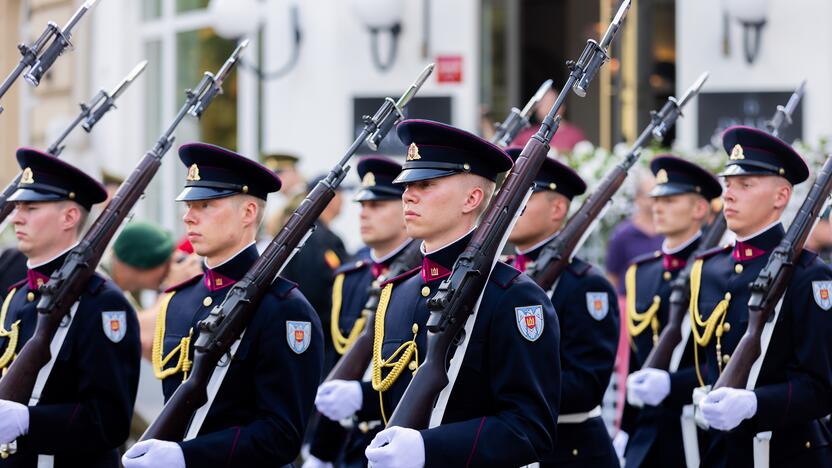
(339, 399)
(725, 408)
(650, 386)
(154, 453)
(314, 462)
(396, 447)
(14, 421)
(619, 443)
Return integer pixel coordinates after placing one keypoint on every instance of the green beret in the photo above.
(143, 245)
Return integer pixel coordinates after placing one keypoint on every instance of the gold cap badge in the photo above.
(369, 180)
(193, 173)
(413, 152)
(661, 176)
(27, 177)
(736, 153)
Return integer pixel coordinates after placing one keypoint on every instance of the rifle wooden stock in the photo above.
(774, 278)
(457, 295)
(557, 254)
(671, 336)
(354, 362)
(564, 245)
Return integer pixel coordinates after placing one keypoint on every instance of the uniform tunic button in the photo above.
(727, 296)
(726, 358)
(363, 427)
(415, 328)
(574, 452)
(726, 327)
(808, 444)
(412, 366)
(207, 301)
(30, 296)
(425, 291)
(738, 268)
(666, 276)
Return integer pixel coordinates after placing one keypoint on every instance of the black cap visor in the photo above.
(671, 188)
(377, 193)
(750, 168)
(32, 195)
(195, 193)
(417, 174)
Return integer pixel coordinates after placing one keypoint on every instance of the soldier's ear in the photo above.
(782, 193)
(559, 207)
(70, 216)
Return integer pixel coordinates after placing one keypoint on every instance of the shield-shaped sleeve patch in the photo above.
(530, 321)
(298, 335)
(598, 304)
(114, 324)
(822, 291)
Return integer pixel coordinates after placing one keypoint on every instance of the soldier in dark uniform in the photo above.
(260, 410)
(82, 414)
(587, 310)
(502, 408)
(313, 268)
(791, 395)
(681, 205)
(383, 231)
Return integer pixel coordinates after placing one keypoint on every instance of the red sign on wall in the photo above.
(449, 69)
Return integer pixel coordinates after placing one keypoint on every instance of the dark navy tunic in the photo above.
(261, 410)
(504, 405)
(795, 383)
(587, 311)
(655, 431)
(312, 269)
(330, 438)
(85, 408)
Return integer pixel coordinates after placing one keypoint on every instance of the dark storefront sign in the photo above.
(717, 111)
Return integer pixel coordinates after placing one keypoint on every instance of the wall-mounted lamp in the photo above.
(233, 19)
(752, 14)
(381, 17)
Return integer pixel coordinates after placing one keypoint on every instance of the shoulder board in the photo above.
(402, 277)
(181, 285)
(96, 284)
(579, 267)
(351, 266)
(646, 258)
(714, 251)
(503, 275)
(17, 285)
(807, 257)
(281, 287)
